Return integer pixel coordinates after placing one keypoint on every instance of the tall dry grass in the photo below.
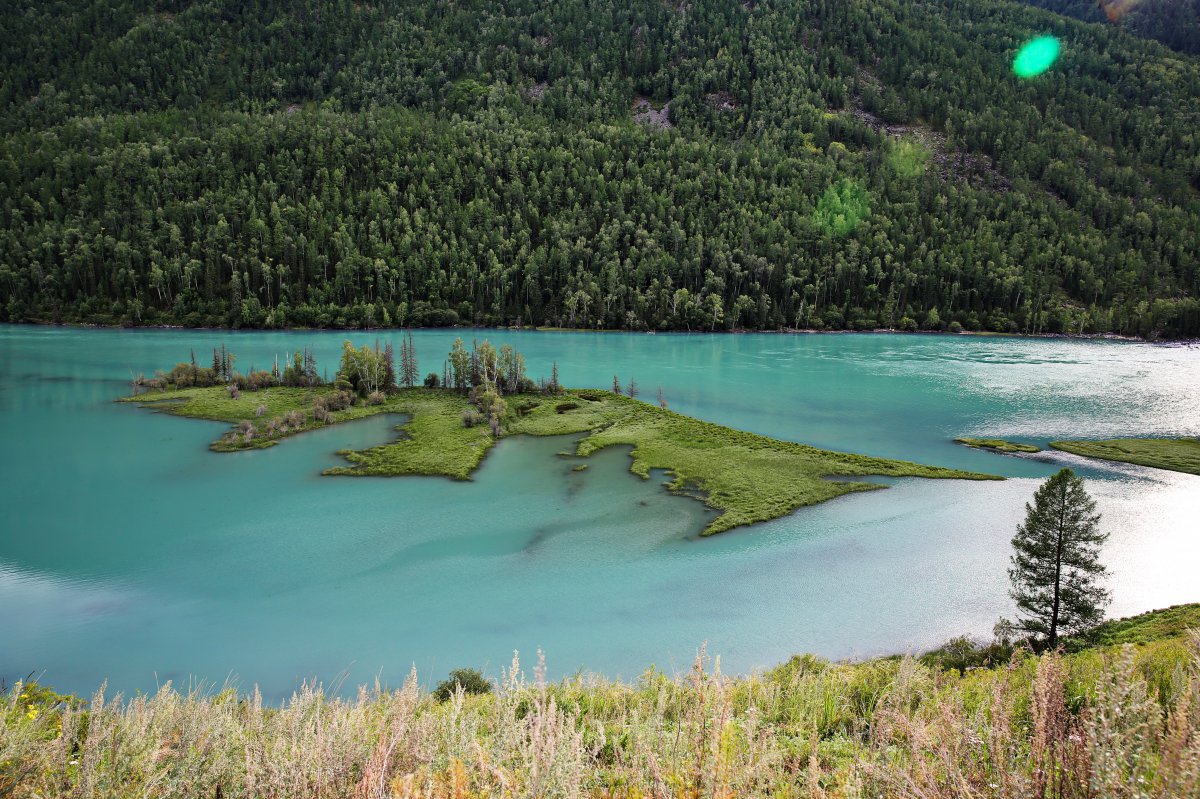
(1109, 723)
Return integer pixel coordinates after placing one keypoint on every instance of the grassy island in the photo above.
(746, 477)
(997, 445)
(1175, 454)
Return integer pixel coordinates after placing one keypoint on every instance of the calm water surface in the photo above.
(131, 553)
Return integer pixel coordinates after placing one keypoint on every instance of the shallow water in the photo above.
(131, 553)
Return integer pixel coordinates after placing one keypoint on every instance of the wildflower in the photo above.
(32, 713)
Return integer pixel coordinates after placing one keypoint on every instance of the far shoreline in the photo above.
(1117, 337)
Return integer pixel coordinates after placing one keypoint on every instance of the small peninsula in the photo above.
(1173, 454)
(997, 445)
(482, 396)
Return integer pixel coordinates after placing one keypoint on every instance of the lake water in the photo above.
(129, 552)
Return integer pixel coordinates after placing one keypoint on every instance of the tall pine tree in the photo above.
(1056, 569)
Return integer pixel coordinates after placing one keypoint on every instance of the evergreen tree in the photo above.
(414, 371)
(389, 366)
(310, 368)
(554, 387)
(1056, 567)
(662, 401)
(616, 389)
(632, 388)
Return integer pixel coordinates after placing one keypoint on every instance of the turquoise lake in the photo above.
(131, 553)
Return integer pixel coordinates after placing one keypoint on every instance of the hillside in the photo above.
(1115, 721)
(1175, 23)
(645, 165)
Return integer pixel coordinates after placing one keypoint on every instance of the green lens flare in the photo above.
(1036, 57)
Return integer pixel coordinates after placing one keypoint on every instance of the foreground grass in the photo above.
(997, 444)
(1110, 722)
(1175, 454)
(746, 477)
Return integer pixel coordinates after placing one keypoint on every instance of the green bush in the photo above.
(471, 681)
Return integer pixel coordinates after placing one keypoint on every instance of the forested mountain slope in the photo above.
(594, 163)
(1175, 23)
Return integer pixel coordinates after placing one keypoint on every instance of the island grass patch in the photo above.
(1174, 454)
(746, 477)
(997, 445)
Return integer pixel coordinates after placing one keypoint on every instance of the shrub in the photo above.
(258, 380)
(563, 407)
(334, 401)
(432, 380)
(234, 393)
(184, 375)
(471, 681)
(471, 417)
(376, 398)
(954, 327)
(260, 410)
(294, 419)
(963, 653)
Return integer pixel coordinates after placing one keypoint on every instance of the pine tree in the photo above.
(389, 365)
(662, 401)
(310, 368)
(554, 389)
(406, 364)
(414, 370)
(1056, 567)
(616, 385)
(632, 388)
(475, 373)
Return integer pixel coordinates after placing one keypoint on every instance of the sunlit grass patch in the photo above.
(1175, 454)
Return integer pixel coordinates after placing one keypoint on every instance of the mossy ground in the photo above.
(747, 477)
(997, 444)
(1175, 454)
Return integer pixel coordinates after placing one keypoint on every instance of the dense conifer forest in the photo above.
(1175, 23)
(635, 164)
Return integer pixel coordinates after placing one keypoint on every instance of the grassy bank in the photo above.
(1175, 454)
(747, 477)
(1111, 721)
(997, 445)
